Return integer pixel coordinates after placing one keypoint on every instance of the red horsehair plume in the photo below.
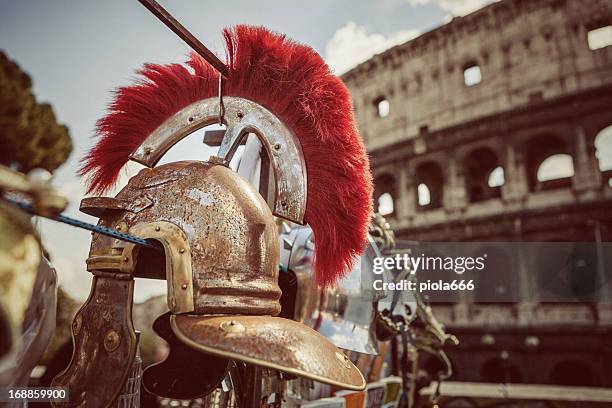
(292, 81)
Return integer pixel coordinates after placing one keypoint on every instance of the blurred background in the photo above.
(485, 121)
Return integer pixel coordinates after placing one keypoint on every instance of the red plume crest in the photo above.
(292, 81)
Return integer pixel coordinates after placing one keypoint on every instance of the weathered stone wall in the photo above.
(543, 92)
(526, 49)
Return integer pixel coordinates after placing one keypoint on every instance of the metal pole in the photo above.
(165, 17)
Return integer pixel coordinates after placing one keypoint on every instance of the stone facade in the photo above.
(539, 90)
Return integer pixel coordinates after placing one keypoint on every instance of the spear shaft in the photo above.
(165, 17)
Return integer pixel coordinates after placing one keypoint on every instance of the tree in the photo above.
(29, 133)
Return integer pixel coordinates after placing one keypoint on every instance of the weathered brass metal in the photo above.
(224, 228)
(104, 345)
(241, 117)
(96, 206)
(271, 342)
(179, 275)
(20, 257)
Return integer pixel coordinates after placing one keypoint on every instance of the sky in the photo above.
(78, 51)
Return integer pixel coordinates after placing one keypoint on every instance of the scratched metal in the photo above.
(96, 206)
(104, 345)
(343, 313)
(229, 228)
(271, 342)
(241, 117)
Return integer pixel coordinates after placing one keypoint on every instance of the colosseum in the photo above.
(492, 128)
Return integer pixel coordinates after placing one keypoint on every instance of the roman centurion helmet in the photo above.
(216, 235)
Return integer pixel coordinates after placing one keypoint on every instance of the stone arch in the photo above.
(552, 152)
(497, 282)
(385, 194)
(434, 366)
(603, 151)
(573, 373)
(430, 175)
(500, 370)
(478, 165)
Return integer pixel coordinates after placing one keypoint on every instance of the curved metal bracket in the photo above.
(242, 116)
(179, 275)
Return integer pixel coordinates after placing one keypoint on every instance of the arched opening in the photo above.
(574, 373)
(603, 151)
(382, 106)
(386, 204)
(557, 166)
(385, 193)
(430, 185)
(500, 370)
(549, 163)
(567, 271)
(423, 195)
(434, 366)
(472, 74)
(478, 166)
(599, 37)
(497, 281)
(497, 177)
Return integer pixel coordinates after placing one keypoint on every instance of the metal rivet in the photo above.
(284, 203)
(277, 146)
(240, 115)
(76, 325)
(112, 340)
(157, 228)
(191, 119)
(344, 359)
(148, 150)
(182, 250)
(118, 228)
(184, 286)
(232, 326)
(125, 259)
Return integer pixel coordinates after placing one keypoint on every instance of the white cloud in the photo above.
(353, 44)
(455, 7)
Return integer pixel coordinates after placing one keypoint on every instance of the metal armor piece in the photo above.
(276, 343)
(241, 117)
(28, 283)
(19, 258)
(209, 220)
(343, 314)
(219, 255)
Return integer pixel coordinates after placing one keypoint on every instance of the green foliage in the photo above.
(30, 136)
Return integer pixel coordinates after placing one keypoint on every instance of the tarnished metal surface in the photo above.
(345, 313)
(229, 227)
(179, 275)
(241, 117)
(186, 373)
(96, 206)
(34, 332)
(276, 343)
(104, 345)
(20, 256)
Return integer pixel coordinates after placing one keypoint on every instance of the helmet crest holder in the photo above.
(104, 338)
